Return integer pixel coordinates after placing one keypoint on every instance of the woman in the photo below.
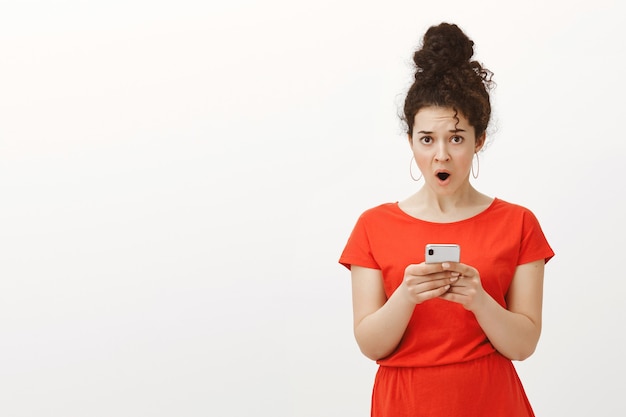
(445, 334)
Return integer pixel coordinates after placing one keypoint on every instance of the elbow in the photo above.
(524, 347)
(372, 349)
(521, 354)
(372, 353)
(528, 352)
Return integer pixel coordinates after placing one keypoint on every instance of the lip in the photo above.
(442, 171)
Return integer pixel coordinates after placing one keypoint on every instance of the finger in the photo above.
(455, 297)
(423, 269)
(434, 284)
(451, 266)
(458, 267)
(434, 293)
(449, 296)
(443, 278)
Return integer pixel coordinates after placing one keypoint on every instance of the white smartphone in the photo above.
(442, 252)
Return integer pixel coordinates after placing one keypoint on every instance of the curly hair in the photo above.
(446, 76)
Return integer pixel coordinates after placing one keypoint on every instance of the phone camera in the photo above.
(431, 251)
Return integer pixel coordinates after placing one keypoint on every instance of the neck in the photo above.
(428, 205)
(446, 203)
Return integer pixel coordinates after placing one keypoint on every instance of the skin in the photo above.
(441, 143)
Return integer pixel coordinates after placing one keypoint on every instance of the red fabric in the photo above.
(439, 333)
(484, 387)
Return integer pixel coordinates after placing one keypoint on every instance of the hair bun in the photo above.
(444, 47)
(446, 76)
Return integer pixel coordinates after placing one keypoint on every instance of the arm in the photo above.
(380, 323)
(513, 331)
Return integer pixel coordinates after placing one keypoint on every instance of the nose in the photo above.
(442, 151)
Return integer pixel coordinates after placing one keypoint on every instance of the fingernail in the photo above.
(445, 265)
(452, 279)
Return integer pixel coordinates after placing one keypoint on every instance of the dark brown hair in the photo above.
(445, 76)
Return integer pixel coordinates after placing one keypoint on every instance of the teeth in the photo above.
(443, 175)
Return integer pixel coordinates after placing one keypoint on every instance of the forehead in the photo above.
(433, 118)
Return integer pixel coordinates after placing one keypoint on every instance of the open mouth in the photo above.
(443, 176)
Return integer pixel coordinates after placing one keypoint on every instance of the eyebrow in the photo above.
(428, 132)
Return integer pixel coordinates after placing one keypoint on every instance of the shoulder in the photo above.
(532, 240)
(514, 215)
(502, 206)
(379, 211)
(382, 215)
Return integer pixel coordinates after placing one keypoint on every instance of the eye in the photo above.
(456, 139)
(426, 140)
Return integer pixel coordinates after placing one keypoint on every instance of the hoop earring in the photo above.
(475, 174)
(411, 170)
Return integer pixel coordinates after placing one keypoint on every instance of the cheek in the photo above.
(464, 158)
(421, 159)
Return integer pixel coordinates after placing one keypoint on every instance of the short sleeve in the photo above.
(534, 245)
(358, 250)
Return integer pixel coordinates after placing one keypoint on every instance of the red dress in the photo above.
(445, 365)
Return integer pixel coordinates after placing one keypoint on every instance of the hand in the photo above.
(467, 290)
(423, 281)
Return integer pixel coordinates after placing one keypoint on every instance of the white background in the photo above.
(178, 179)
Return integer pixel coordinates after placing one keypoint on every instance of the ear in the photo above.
(480, 142)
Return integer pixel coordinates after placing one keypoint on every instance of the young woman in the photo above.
(445, 334)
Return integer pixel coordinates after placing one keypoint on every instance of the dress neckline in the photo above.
(495, 200)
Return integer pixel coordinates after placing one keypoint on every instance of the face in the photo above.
(444, 148)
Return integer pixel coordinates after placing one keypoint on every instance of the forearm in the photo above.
(514, 335)
(379, 333)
